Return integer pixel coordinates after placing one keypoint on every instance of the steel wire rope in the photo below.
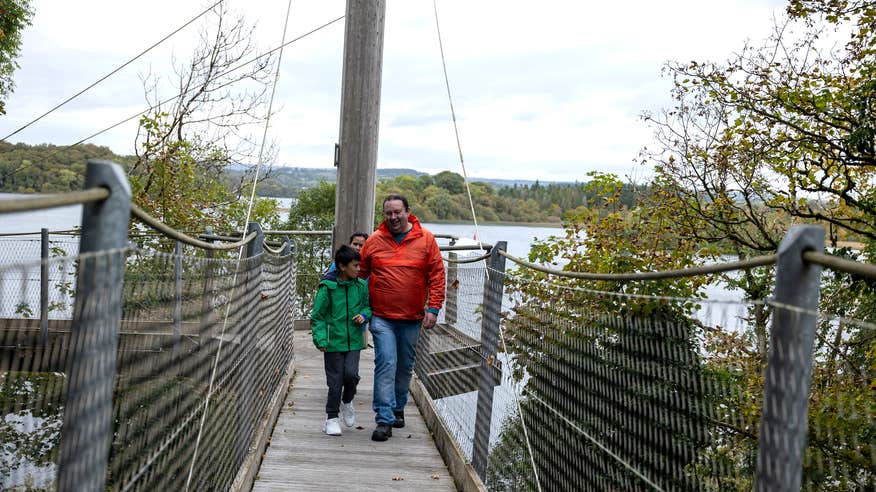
(113, 72)
(242, 65)
(598, 444)
(453, 118)
(240, 254)
(474, 218)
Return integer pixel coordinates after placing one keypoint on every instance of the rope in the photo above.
(172, 233)
(275, 252)
(468, 260)
(479, 247)
(474, 217)
(620, 277)
(147, 50)
(836, 263)
(51, 201)
(66, 232)
(255, 182)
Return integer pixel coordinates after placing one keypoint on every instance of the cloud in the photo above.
(548, 91)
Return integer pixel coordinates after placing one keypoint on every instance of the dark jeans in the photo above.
(341, 376)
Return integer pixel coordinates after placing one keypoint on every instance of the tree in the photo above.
(184, 146)
(314, 209)
(590, 350)
(783, 132)
(15, 15)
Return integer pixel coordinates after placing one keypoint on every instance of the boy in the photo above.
(339, 311)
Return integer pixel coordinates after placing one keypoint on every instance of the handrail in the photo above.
(275, 252)
(51, 201)
(473, 247)
(619, 277)
(179, 236)
(836, 263)
(297, 233)
(65, 232)
(468, 260)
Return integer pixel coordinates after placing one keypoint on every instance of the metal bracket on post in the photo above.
(788, 375)
(207, 317)
(451, 290)
(87, 427)
(493, 291)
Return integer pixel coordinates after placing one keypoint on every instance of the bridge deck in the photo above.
(301, 457)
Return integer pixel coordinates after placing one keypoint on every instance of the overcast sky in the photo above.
(544, 90)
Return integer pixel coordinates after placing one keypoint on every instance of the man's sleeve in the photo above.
(435, 266)
(365, 264)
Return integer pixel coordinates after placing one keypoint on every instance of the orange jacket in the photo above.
(403, 277)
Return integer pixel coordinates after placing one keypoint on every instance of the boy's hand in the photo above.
(358, 319)
(321, 349)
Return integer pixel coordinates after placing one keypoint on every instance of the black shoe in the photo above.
(382, 432)
(399, 419)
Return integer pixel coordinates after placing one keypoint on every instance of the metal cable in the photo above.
(474, 217)
(478, 247)
(841, 264)
(242, 65)
(74, 96)
(51, 201)
(172, 233)
(620, 277)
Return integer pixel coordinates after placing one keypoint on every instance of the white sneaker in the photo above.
(332, 427)
(348, 413)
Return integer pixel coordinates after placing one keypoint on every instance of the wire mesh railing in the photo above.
(602, 390)
(157, 368)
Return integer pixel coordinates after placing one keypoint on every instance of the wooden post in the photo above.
(487, 381)
(360, 118)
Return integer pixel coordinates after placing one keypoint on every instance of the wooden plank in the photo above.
(301, 457)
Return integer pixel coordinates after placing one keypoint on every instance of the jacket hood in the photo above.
(416, 228)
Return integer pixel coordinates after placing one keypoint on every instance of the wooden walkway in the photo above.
(301, 457)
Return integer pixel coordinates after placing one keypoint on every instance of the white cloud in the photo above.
(544, 90)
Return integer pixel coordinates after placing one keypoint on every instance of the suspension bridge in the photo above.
(134, 356)
(144, 358)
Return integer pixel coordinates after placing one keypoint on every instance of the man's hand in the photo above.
(429, 320)
(358, 319)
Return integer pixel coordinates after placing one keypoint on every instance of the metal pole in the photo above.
(206, 308)
(44, 287)
(360, 118)
(789, 366)
(451, 290)
(87, 429)
(177, 306)
(493, 291)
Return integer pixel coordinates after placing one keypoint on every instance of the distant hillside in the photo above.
(289, 181)
(510, 183)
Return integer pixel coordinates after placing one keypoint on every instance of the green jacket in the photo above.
(331, 321)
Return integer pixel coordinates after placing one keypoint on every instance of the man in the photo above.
(405, 271)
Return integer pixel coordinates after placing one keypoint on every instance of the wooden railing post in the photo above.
(492, 310)
(44, 288)
(88, 420)
(783, 425)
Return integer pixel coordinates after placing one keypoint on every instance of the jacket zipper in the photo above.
(347, 303)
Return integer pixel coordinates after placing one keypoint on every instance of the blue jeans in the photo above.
(395, 343)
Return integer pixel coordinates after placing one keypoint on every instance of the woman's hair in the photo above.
(345, 254)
